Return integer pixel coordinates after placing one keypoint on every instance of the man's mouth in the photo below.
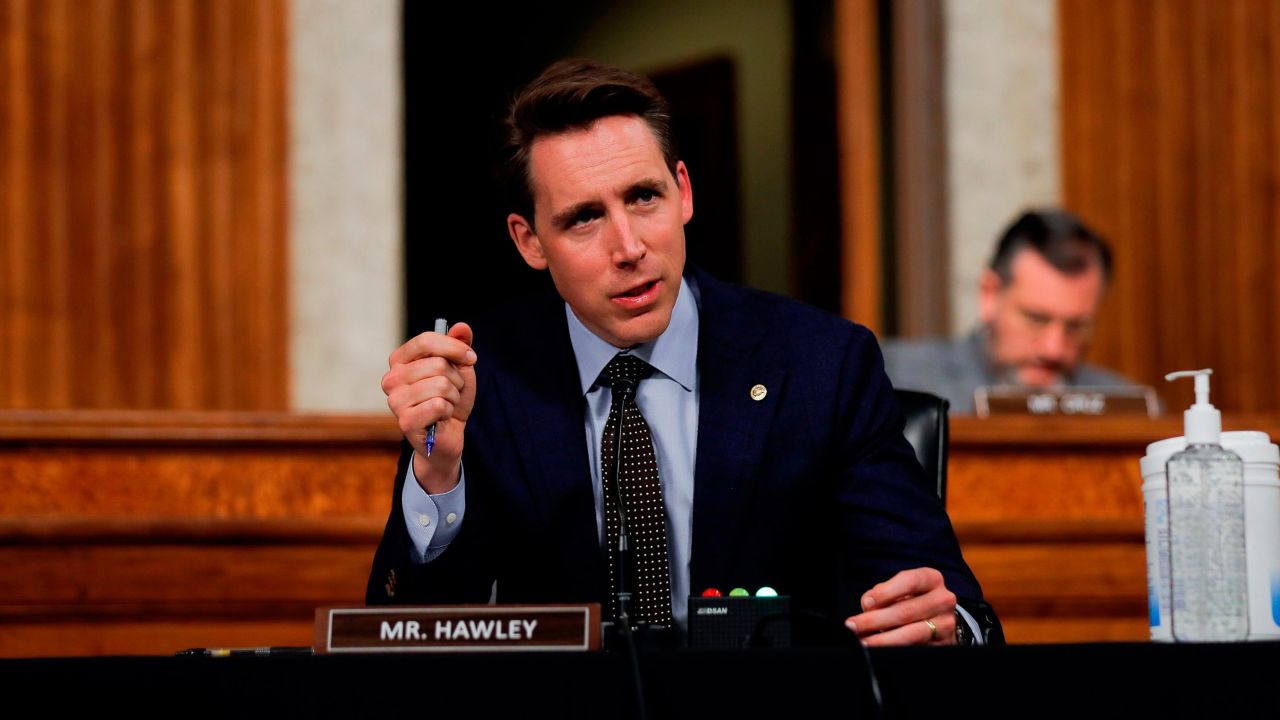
(638, 295)
(1041, 373)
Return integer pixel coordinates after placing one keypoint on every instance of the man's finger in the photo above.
(408, 396)
(414, 420)
(462, 332)
(454, 347)
(919, 632)
(940, 602)
(424, 368)
(905, 584)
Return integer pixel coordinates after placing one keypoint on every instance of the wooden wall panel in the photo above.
(142, 204)
(1171, 147)
(921, 287)
(858, 119)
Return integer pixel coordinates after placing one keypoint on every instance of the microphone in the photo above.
(624, 390)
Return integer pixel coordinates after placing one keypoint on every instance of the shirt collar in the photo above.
(674, 353)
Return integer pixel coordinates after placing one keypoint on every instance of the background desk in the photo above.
(145, 533)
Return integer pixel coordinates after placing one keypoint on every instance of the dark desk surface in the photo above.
(1141, 680)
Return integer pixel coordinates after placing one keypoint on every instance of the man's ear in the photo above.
(686, 191)
(527, 242)
(990, 286)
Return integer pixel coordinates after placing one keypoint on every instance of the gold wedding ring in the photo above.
(933, 629)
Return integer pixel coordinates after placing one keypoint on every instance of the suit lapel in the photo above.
(545, 407)
(732, 427)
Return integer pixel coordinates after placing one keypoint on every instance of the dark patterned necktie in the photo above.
(648, 575)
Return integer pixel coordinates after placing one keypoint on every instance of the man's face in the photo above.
(1040, 322)
(609, 225)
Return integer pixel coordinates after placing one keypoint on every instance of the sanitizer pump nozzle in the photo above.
(1202, 422)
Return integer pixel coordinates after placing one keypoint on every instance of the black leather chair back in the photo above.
(927, 430)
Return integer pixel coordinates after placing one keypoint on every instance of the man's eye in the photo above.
(581, 219)
(1079, 327)
(645, 196)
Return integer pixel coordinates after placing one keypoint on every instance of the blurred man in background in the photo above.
(1037, 301)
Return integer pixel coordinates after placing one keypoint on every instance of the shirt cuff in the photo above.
(433, 521)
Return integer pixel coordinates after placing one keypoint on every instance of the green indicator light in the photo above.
(766, 591)
(739, 592)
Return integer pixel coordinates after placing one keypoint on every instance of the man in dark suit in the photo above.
(776, 441)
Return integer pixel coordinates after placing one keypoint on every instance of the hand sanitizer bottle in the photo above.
(1209, 580)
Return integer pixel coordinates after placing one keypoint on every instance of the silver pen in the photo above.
(442, 328)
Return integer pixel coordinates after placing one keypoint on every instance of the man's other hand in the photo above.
(913, 607)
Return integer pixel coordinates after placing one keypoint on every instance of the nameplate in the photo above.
(1073, 401)
(458, 628)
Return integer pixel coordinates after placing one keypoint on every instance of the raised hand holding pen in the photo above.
(432, 381)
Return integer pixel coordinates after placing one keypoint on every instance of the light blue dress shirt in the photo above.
(668, 399)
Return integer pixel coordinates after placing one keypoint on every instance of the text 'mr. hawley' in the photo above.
(454, 630)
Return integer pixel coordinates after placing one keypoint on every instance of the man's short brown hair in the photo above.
(1061, 238)
(571, 95)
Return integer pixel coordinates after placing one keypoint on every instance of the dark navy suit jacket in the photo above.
(812, 490)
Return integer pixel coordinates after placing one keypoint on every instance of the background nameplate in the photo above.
(1081, 401)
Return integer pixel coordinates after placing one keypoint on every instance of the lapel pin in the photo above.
(758, 392)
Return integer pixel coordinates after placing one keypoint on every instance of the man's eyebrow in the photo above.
(1044, 315)
(652, 184)
(566, 216)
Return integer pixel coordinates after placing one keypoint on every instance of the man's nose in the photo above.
(628, 247)
(1054, 343)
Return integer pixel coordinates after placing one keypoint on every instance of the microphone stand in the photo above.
(625, 390)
